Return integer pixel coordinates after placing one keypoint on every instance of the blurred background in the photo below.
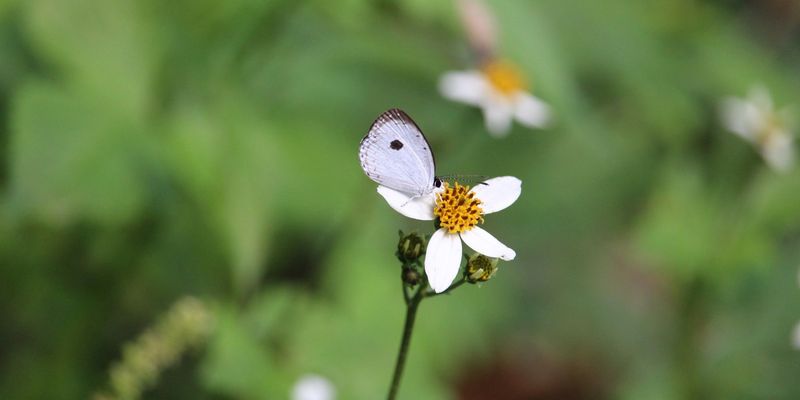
(183, 215)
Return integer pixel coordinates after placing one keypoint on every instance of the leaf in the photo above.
(221, 153)
(70, 158)
(237, 365)
(106, 48)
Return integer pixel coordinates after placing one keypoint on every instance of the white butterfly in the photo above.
(397, 155)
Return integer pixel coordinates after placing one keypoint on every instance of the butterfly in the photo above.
(396, 154)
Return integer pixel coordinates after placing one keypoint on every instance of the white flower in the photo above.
(755, 120)
(498, 89)
(796, 336)
(459, 210)
(796, 330)
(313, 387)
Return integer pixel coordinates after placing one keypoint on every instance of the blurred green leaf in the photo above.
(236, 364)
(154, 150)
(106, 49)
(680, 229)
(225, 155)
(72, 158)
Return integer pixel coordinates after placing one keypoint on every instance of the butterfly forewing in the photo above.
(397, 155)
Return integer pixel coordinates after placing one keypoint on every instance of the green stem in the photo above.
(431, 293)
(412, 303)
(408, 328)
(692, 313)
(406, 296)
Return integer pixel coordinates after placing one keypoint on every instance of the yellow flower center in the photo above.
(457, 208)
(771, 127)
(504, 77)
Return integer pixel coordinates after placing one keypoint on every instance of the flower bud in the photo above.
(411, 276)
(410, 248)
(480, 268)
(186, 325)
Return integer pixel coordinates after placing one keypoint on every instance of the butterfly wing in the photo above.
(397, 155)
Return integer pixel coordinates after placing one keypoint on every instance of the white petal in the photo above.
(498, 193)
(498, 114)
(467, 87)
(416, 207)
(531, 111)
(483, 242)
(442, 259)
(778, 152)
(313, 387)
(796, 336)
(742, 118)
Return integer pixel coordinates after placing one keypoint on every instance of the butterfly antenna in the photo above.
(473, 179)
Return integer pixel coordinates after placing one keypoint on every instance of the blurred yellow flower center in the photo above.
(504, 77)
(457, 208)
(771, 128)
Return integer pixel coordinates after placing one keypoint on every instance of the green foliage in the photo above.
(153, 150)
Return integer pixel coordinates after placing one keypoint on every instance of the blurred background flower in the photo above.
(155, 150)
(755, 119)
(313, 387)
(499, 91)
(495, 85)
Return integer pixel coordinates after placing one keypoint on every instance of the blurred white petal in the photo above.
(442, 259)
(531, 111)
(313, 387)
(483, 242)
(415, 207)
(742, 118)
(498, 193)
(796, 336)
(778, 151)
(463, 86)
(498, 114)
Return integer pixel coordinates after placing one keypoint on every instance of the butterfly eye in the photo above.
(437, 182)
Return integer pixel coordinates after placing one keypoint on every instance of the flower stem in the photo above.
(431, 293)
(408, 328)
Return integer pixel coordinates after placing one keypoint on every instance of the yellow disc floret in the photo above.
(770, 128)
(457, 208)
(504, 77)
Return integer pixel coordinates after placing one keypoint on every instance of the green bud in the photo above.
(410, 248)
(411, 276)
(480, 268)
